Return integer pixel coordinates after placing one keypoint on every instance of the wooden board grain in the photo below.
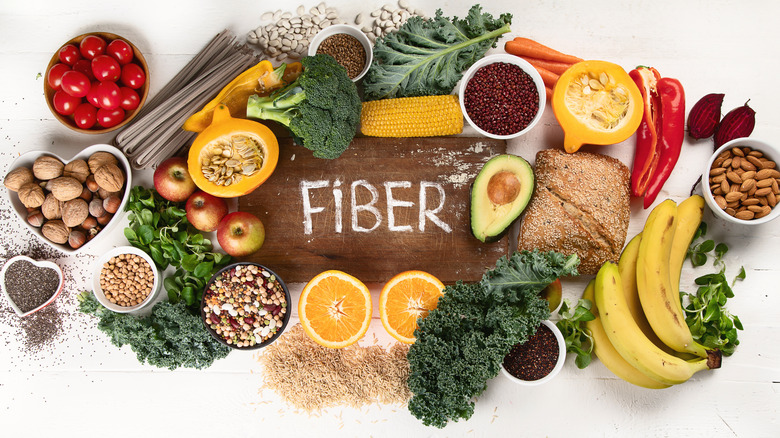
(333, 214)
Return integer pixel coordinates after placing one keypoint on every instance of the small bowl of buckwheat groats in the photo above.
(245, 306)
(125, 279)
(348, 45)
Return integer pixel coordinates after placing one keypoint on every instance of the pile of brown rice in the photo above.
(311, 377)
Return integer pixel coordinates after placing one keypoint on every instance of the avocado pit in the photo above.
(503, 188)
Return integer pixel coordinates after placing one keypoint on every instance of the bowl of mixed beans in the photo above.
(245, 306)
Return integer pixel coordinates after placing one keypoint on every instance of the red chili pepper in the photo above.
(661, 133)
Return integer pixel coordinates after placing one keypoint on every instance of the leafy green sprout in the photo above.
(578, 338)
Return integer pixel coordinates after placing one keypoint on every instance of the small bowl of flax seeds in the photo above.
(125, 279)
(348, 45)
(30, 285)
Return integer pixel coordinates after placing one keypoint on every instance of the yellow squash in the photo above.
(596, 102)
(232, 157)
(261, 79)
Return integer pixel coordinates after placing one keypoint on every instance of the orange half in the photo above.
(335, 309)
(405, 298)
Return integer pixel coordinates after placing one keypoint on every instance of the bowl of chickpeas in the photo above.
(125, 279)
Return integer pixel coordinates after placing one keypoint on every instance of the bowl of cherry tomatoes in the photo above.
(96, 82)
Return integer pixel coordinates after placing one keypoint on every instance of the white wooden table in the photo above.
(82, 385)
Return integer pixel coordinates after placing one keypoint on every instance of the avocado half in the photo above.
(499, 194)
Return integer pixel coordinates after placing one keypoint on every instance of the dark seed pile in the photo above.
(347, 51)
(30, 286)
(501, 98)
(535, 358)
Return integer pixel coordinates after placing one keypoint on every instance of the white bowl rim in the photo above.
(511, 59)
(752, 143)
(349, 30)
(41, 264)
(558, 364)
(98, 291)
(29, 157)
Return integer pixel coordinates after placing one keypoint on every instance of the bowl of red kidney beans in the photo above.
(96, 82)
(502, 96)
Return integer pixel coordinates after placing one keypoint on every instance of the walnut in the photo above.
(99, 159)
(74, 212)
(56, 231)
(110, 177)
(46, 168)
(52, 207)
(31, 195)
(17, 178)
(77, 169)
(66, 188)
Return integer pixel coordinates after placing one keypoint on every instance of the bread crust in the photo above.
(581, 205)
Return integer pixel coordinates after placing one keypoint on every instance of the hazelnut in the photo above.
(66, 188)
(17, 178)
(86, 194)
(74, 212)
(35, 218)
(46, 168)
(96, 208)
(91, 184)
(111, 204)
(56, 231)
(76, 238)
(52, 207)
(103, 193)
(106, 218)
(89, 223)
(100, 159)
(110, 177)
(77, 169)
(31, 195)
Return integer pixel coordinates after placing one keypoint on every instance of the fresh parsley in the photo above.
(577, 337)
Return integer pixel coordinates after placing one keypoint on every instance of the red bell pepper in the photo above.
(661, 133)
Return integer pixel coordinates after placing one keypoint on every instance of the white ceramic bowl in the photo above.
(98, 291)
(27, 160)
(40, 264)
(349, 30)
(771, 152)
(555, 370)
(509, 59)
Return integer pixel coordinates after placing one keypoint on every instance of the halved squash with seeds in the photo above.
(232, 157)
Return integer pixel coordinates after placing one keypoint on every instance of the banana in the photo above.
(607, 353)
(631, 343)
(689, 213)
(660, 303)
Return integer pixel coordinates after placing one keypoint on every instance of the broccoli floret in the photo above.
(321, 108)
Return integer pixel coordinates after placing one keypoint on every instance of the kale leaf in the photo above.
(429, 56)
(461, 343)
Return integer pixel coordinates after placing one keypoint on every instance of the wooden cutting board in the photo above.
(334, 214)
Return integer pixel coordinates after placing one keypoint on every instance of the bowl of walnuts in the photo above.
(67, 203)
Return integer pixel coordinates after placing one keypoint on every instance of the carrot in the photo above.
(553, 66)
(530, 48)
(549, 92)
(549, 78)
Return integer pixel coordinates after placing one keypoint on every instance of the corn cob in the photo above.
(424, 116)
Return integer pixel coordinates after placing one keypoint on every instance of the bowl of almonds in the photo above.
(67, 203)
(125, 279)
(743, 180)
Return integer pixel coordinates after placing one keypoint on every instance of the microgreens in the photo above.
(577, 337)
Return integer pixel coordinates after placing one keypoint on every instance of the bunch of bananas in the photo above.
(639, 332)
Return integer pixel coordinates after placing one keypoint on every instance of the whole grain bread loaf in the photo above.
(580, 205)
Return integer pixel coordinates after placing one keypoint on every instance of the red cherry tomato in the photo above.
(76, 84)
(93, 96)
(108, 118)
(108, 95)
(133, 76)
(85, 116)
(84, 66)
(130, 99)
(69, 54)
(120, 50)
(54, 76)
(106, 68)
(92, 46)
(64, 103)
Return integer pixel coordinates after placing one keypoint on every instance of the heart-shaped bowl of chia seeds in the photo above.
(30, 285)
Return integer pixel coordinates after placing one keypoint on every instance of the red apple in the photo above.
(553, 293)
(172, 180)
(240, 233)
(204, 211)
